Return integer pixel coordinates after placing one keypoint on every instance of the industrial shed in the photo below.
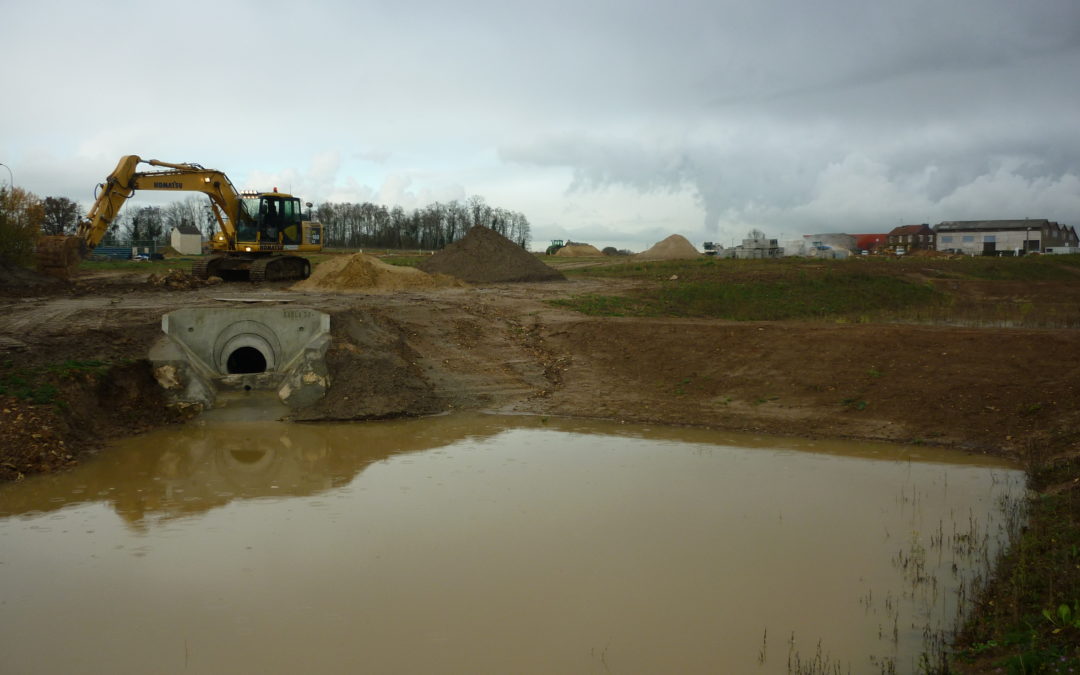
(997, 237)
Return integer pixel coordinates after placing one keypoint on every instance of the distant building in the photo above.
(832, 245)
(186, 239)
(912, 237)
(870, 242)
(757, 245)
(1002, 237)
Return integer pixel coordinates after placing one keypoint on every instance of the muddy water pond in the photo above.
(484, 544)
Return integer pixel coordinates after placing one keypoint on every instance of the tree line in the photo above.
(432, 227)
(23, 216)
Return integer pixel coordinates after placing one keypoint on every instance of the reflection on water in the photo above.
(491, 544)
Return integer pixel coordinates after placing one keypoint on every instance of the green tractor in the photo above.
(556, 244)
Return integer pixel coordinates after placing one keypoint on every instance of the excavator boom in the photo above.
(250, 226)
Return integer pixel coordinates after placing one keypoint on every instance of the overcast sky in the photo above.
(615, 123)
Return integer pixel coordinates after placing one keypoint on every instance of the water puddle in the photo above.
(471, 544)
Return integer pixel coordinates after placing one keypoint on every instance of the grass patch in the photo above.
(1029, 621)
(39, 385)
(1027, 268)
(148, 266)
(788, 297)
(876, 289)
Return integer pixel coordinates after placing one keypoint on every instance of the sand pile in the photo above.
(359, 273)
(675, 247)
(579, 251)
(485, 256)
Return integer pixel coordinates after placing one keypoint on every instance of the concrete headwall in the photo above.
(208, 348)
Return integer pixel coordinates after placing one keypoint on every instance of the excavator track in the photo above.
(206, 267)
(280, 268)
(257, 273)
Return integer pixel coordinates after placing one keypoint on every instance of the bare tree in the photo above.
(194, 211)
(61, 216)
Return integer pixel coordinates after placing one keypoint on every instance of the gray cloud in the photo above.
(701, 115)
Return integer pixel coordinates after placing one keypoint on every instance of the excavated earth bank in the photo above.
(501, 347)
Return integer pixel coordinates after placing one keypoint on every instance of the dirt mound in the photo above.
(359, 273)
(485, 256)
(675, 247)
(14, 277)
(179, 280)
(579, 251)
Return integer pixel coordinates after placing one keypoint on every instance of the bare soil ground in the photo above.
(501, 347)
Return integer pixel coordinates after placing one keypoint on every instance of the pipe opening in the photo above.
(246, 360)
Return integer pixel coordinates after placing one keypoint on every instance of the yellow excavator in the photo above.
(256, 240)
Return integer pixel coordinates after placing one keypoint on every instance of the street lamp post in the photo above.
(11, 174)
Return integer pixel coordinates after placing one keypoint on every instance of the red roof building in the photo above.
(869, 242)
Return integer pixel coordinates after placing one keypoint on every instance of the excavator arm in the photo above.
(59, 255)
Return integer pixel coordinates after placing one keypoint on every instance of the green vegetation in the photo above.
(39, 385)
(916, 290)
(1029, 621)
(693, 289)
(148, 266)
(21, 216)
(854, 403)
(1028, 268)
(404, 260)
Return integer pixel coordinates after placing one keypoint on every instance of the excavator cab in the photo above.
(270, 220)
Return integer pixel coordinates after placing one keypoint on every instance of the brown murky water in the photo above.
(491, 545)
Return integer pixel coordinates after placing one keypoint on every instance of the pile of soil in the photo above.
(485, 256)
(33, 442)
(579, 251)
(675, 247)
(359, 273)
(14, 278)
(179, 280)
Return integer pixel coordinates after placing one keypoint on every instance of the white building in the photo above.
(186, 239)
(994, 237)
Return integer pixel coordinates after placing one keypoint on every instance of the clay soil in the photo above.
(502, 347)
